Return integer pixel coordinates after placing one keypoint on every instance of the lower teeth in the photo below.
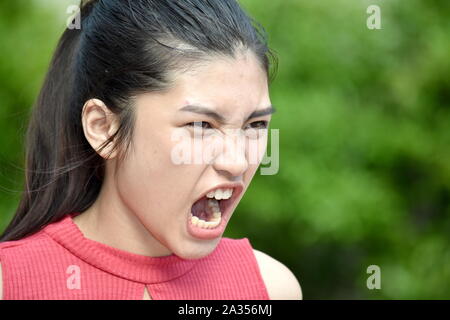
(216, 216)
(205, 224)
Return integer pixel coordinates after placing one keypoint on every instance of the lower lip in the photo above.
(207, 234)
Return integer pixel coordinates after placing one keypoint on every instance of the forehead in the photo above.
(232, 87)
(225, 84)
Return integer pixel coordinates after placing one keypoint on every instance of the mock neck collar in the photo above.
(118, 262)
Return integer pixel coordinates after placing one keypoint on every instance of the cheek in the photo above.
(256, 149)
(137, 181)
(255, 154)
(262, 146)
(149, 180)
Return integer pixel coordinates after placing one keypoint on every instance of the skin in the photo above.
(137, 198)
(135, 210)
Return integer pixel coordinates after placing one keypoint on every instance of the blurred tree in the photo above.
(364, 140)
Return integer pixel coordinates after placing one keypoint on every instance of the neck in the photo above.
(110, 222)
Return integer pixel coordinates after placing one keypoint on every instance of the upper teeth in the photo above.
(220, 194)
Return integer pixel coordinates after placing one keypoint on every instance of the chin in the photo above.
(197, 249)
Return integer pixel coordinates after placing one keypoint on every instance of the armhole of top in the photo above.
(257, 269)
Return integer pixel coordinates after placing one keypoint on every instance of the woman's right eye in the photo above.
(202, 124)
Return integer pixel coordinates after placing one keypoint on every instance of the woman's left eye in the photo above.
(259, 125)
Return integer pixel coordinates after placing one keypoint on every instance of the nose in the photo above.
(232, 158)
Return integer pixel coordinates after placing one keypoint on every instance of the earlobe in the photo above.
(99, 125)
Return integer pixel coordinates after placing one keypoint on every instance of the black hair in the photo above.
(123, 48)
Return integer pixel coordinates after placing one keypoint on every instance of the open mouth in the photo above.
(209, 211)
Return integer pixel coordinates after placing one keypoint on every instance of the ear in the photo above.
(99, 124)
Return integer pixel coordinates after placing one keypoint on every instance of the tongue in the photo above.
(200, 209)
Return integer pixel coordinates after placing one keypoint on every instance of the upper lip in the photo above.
(236, 186)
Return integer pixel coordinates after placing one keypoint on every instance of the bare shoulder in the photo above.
(281, 283)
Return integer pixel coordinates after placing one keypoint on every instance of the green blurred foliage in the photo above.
(364, 121)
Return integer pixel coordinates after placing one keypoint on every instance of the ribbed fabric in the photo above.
(59, 263)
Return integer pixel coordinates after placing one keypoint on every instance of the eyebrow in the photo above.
(219, 118)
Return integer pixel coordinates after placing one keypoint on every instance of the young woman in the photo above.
(108, 211)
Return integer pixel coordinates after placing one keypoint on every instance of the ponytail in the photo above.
(123, 48)
(58, 173)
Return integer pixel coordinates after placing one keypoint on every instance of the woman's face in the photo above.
(168, 167)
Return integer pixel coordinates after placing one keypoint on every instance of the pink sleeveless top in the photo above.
(58, 262)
